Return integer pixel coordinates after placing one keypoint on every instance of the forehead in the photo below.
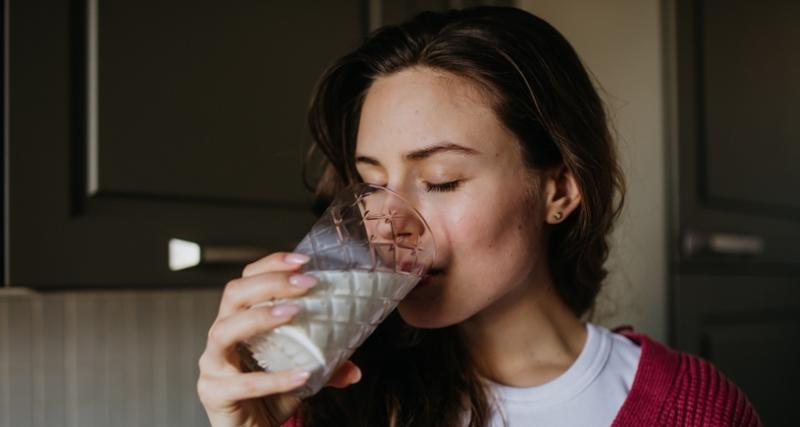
(417, 107)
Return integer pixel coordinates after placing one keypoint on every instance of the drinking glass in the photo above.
(368, 250)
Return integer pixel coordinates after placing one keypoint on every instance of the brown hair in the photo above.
(542, 93)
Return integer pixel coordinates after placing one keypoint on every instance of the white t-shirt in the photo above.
(589, 393)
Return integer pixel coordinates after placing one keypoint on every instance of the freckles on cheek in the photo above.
(473, 234)
(485, 231)
(502, 235)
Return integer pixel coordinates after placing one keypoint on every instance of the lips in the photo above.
(430, 276)
(434, 271)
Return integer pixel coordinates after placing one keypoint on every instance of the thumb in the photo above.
(346, 375)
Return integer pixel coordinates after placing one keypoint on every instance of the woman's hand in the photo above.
(232, 396)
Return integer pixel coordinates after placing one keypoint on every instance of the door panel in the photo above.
(735, 222)
(749, 76)
(207, 101)
(135, 123)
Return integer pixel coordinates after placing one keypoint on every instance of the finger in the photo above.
(279, 261)
(346, 375)
(227, 332)
(218, 392)
(244, 292)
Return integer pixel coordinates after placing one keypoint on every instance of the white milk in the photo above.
(337, 315)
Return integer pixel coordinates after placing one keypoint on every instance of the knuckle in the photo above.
(204, 390)
(212, 331)
(247, 270)
(215, 334)
(202, 363)
(232, 287)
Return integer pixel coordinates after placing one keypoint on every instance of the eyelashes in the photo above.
(437, 188)
(444, 187)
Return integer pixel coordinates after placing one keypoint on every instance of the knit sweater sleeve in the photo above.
(702, 396)
(677, 389)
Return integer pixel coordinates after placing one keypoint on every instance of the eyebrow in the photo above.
(424, 153)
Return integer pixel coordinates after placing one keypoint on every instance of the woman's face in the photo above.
(432, 137)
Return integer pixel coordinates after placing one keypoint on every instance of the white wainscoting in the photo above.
(101, 359)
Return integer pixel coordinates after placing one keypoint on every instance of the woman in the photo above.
(487, 120)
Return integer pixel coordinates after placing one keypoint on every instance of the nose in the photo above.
(397, 221)
(397, 233)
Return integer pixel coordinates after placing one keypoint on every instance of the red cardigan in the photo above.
(675, 389)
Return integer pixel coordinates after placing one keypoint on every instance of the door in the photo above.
(732, 68)
(135, 123)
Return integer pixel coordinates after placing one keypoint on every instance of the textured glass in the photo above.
(369, 249)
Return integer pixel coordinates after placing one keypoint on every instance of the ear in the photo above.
(562, 194)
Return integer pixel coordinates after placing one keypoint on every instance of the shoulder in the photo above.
(676, 388)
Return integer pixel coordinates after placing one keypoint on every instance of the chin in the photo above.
(425, 314)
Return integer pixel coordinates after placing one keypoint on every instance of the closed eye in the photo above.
(446, 186)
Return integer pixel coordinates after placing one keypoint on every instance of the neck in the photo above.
(527, 338)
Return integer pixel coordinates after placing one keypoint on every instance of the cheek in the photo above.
(493, 237)
(490, 247)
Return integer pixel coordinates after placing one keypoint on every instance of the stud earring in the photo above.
(558, 216)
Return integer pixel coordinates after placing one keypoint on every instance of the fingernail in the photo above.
(285, 310)
(299, 377)
(303, 281)
(294, 258)
(358, 375)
